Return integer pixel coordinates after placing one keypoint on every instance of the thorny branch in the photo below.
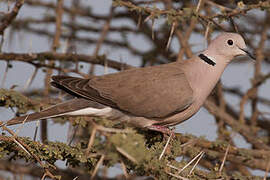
(80, 36)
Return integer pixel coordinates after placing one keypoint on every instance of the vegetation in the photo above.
(74, 37)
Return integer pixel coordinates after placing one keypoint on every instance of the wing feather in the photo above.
(152, 92)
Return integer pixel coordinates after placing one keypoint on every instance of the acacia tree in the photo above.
(77, 39)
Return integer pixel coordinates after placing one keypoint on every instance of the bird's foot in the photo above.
(162, 129)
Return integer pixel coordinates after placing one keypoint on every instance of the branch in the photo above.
(101, 60)
(7, 20)
(241, 128)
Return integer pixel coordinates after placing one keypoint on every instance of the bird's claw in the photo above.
(162, 129)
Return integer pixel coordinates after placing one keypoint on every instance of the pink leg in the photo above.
(162, 129)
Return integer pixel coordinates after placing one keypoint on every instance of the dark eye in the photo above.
(230, 42)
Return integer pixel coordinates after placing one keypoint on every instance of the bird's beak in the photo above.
(248, 53)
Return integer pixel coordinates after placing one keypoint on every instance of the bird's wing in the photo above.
(152, 92)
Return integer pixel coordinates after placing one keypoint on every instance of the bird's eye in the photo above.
(230, 42)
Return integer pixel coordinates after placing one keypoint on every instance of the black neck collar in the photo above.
(207, 59)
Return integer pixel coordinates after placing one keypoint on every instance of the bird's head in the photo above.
(229, 45)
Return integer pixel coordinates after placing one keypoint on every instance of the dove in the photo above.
(154, 97)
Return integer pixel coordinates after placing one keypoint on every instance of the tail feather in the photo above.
(55, 111)
(30, 117)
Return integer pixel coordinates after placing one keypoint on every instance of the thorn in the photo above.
(147, 18)
(196, 163)
(124, 153)
(36, 130)
(172, 166)
(20, 145)
(206, 34)
(234, 25)
(13, 137)
(5, 75)
(190, 162)
(165, 147)
(30, 80)
(30, 46)
(198, 6)
(105, 66)
(3, 124)
(43, 177)
(153, 21)
(74, 131)
(187, 143)
(21, 126)
(124, 169)
(177, 176)
(139, 21)
(153, 32)
(171, 34)
(224, 159)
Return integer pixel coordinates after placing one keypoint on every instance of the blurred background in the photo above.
(41, 38)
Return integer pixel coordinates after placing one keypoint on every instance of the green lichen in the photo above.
(13, 99)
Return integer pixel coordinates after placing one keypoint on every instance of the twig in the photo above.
(91, 139)
(102, 37)
(8, 18)
(97, 166)
(258, 64)
(27, 148)
(58, 24)
(241, 11)
(54, 47)
(266, 170)
(61, 69)
(37, 172)
(241, 128)
(124, 168)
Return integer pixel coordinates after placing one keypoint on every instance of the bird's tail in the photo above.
(77, 107)
(30, 117)
(54, 111)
